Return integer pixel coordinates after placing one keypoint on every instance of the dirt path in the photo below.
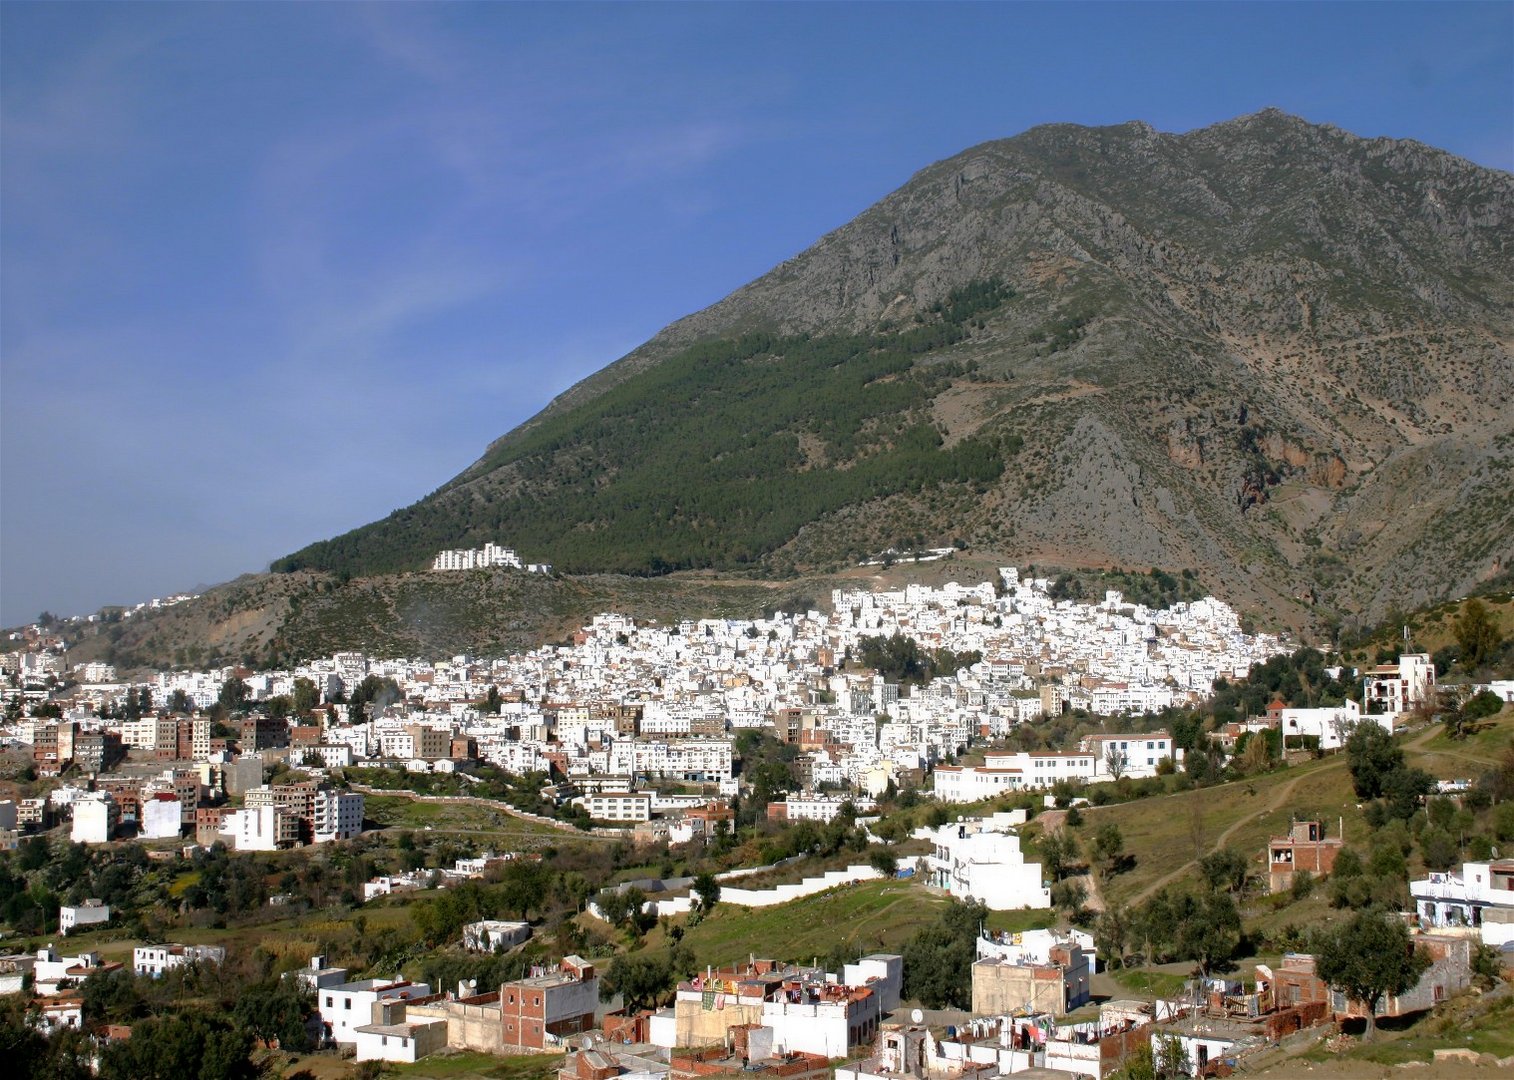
(1279, 797)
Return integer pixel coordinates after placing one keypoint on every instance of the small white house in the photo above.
(89, 913)
(493, 935)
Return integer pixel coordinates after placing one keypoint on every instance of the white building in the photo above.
(261, 828)
(154, 960)
(491, 554)
(337, 815)
(812, 807)
(618, 805)
(1332, 726)
(345, 1007)
(398, 1040)
(52, 973)
(1398, 688)
(981, 860)
(162, 817)
(89, 913)
(493, 935)
(1481, 896)
(1136, 756)
(95, 818)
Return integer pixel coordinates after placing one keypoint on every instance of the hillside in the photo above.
(1269, 351)
(280, 619)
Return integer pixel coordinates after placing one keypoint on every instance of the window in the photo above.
(328, 1001)
(347, 1003)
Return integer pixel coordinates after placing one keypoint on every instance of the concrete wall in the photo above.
(1001, 989)
(695, 1025)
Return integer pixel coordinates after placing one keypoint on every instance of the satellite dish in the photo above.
(917, 1016)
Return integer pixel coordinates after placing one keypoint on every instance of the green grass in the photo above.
(1449, 758)
(873, 916)
(1012, 922)
(1159, 832)
(482, 1067)
(1155, 984)
(397, 811)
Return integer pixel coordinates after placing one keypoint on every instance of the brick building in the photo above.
(556, 1004)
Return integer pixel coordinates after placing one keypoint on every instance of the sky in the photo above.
(270, 271)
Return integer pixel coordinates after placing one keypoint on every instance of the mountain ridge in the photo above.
(1266, 349)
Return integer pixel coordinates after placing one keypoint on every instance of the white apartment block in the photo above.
(261, 828)
(96, 816)
(491, 554)
(618, 806)
(336, 815)
(1401, 687)
(812, 807)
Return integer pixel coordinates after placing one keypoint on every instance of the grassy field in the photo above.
(1163, 834)
(874, 916)
(483, 1067)
(448, 1066)
(1447, 758)
(471, 819)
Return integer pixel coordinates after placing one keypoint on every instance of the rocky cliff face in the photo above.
(1271, 351)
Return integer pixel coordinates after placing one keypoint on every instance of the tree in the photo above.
(1169, 1059)
(234, 694)
(274, 1011)
(1069, 896)
(1115, 760)
(306, 695)
(884, 861)
(1107, 847)
(1224, 869)
(193, 1044)
(1208, 930)
(1476, 634)
(938, 959)
(1057, 850)
(1111, 933)
(707, 889)
(640, 979)
(179, 702)
(1368, 956)
(1371, 755)
(524, 886)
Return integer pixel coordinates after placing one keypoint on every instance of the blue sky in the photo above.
(269, 271)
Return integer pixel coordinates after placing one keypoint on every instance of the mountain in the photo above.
(1267, 351)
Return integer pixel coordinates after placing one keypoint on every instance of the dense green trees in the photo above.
(713, 457)
(938, 959)
(190, 1044)
(1378, 770)
(1477, 635)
